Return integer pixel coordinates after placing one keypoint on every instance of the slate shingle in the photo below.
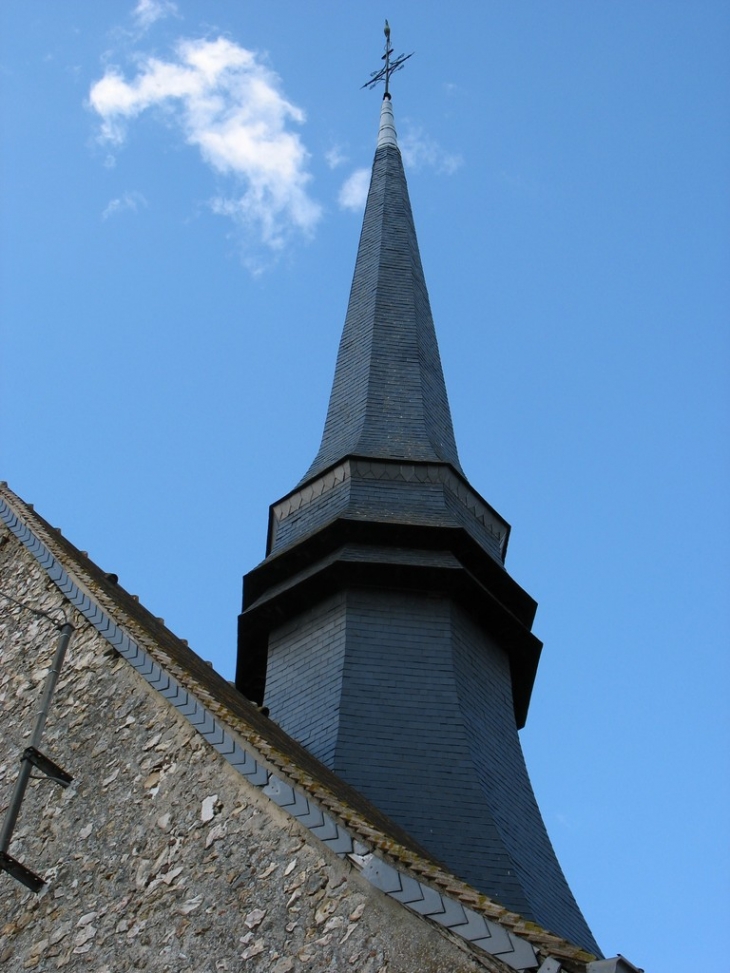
(388, 397)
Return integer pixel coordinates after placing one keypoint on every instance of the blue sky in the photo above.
(181, 208)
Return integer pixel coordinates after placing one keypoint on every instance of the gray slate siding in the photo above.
(388, 397)
(404, 697)
(403, 742)
(482, 680)
(306, 659)
(400, 737)
(310, 516)
(405, 493)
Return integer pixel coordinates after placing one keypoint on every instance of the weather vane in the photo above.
(390, 66)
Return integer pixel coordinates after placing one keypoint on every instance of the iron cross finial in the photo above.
(390, 67)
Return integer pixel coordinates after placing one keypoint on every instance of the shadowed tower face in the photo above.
(382, 630)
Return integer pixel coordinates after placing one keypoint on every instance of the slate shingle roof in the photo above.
(388, 398)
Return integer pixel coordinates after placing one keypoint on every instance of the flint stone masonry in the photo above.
(159, 856)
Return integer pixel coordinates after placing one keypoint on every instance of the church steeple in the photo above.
(382, 630)
(388, 397)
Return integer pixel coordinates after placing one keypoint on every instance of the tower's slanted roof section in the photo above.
(388, 398)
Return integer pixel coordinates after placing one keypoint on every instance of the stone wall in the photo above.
(160, 856)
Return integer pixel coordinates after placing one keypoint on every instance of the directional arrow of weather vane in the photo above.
(390, 67)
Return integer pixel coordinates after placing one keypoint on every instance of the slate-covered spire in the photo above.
(388, 398)
(382, 630)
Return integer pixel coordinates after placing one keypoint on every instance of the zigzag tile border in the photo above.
(414, 895)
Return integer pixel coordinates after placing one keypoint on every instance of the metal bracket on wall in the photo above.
(32, 757)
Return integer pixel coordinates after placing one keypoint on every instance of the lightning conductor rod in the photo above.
(26, 766)
(389, 68)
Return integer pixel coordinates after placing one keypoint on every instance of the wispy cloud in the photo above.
(230, 106)
(419, 151)
(354, 191)
(335, 157)
(148, 12)
(130, 201)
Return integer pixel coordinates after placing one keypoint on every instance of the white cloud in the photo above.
(335, 157)
(148, 12)
(419, 151)
(230, 107)
(128, 201)
(354, 191)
